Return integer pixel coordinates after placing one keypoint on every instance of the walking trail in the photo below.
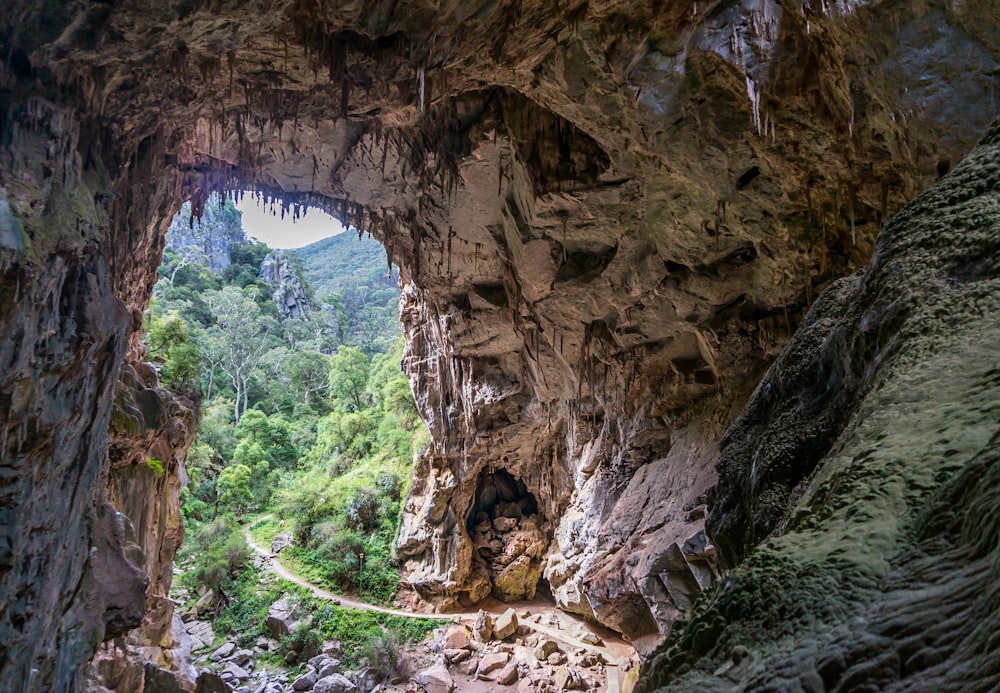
(561, 626)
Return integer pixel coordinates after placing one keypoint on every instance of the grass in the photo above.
(359, 632)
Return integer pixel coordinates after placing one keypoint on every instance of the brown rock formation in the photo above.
(610, 217)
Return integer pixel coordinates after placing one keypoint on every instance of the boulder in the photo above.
(281, 542)
(211, 683)
(468, 667)
(332, 648)
(566, 679)
(518, 580)
(526, 686)
(279, 618)
(453, 655)
(330, 667)
(205, 603)
(456, 637)
(504, 524)
(544, 649)
(236, 670)
(508, 674)
(334, 683)
(202, 630)
(506, 624)
(241, 657)
(367, 679)
(305, 682)
(482, 629)
(223, 651)
(436, 679)
(491, 662)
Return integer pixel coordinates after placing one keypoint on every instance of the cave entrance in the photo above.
(508, 533)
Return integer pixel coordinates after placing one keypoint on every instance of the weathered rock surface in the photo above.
(281, 542)
(288, 293)
(280, 621)
(436, 679)
(609, 218)
(858, 490)
(334, 683)
(505, 625)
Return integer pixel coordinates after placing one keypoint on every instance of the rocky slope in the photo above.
(609, 217)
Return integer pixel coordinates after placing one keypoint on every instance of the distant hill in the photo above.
(344, 262)
(353, 275)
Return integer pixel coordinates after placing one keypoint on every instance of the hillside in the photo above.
(352, 274)
(343, 261)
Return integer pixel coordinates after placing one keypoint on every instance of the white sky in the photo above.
(260, 223)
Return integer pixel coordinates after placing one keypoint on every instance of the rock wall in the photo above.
(609, 217)
(868, 460)
(289, 295)
(88, 538)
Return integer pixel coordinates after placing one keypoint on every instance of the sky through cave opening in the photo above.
(308, 426)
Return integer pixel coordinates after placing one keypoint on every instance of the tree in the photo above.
(272, 435)
(234, 488)
(308, 371)
(171, 345)
(176, 260)
(240, 339)
(348, 377)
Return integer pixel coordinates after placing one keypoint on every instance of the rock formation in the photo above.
(288, 292)
(609, 218)
(868, 464)
(207, 241)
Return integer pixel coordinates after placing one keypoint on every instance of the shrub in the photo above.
(381, 652)
(363, 510)
(389, 484)
(217, 551)
(306, 641)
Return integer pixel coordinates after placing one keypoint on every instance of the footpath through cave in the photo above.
(554, 623)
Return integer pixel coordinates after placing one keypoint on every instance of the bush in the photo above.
(363, 509)
(306, 641)
(389, 484)
(217, 552)
(381, 652)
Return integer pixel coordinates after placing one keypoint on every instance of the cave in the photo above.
(535, 169)
(508, 535)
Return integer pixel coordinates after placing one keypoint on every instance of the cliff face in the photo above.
(871, 450)
(288, 292)
(609, 217)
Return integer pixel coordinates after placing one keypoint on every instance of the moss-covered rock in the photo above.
(869, 454)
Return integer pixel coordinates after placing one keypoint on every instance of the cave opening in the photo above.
(508, 532)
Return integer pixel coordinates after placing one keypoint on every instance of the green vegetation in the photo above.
(353, 274)
(303, 420)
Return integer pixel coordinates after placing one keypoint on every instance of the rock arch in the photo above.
(556, 185)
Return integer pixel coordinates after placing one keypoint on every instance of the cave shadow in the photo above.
(510, 537)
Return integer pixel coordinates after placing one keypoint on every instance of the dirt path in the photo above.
(559, 626)
(272, 564)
